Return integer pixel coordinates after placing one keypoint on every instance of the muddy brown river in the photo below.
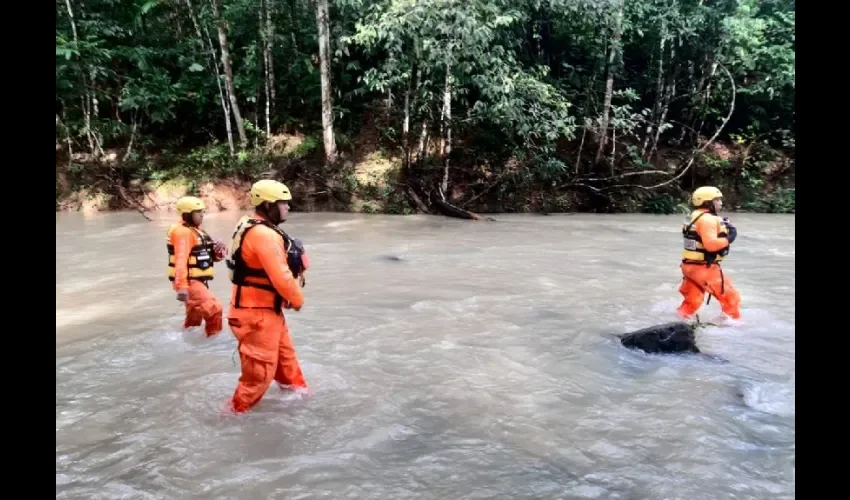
(447, 359)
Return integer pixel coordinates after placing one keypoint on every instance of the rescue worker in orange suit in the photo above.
(267, 270)
(707, 239)
(191, 255)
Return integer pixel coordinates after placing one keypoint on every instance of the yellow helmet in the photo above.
(269, 190)
(189, 204)
(704, 194)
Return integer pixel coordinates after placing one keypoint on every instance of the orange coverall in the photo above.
(697, 279)
(266, 351)
(201, 305)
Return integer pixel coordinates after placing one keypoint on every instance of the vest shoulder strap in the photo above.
(694, 220)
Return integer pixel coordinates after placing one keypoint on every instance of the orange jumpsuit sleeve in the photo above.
(269, 249)
(183, 240)
(706, 227)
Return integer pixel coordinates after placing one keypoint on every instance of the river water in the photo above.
(447, 359)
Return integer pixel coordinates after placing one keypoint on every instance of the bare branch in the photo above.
(490, 186)
(627, 174)
(135, 204)
(698, 151)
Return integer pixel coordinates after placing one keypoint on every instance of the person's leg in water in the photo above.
(699, 279)
(258, 333)
(193, 316)
(693, 295)
(202, 305)
(720, 286)
(288, 373)
(253, 383)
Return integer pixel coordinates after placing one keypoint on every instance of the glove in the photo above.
(287, 305)
(182, 295)
(220, 250)
(295, 258)
(733, 233)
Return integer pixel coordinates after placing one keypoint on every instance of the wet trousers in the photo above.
(697, 280)
(266, 354)
(203, 306)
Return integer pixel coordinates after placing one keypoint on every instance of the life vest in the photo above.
(694, 252)
(200, 256)
(238, 270)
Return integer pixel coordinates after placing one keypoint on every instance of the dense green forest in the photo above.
(430, 105)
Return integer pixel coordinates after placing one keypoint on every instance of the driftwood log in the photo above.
(438, 204)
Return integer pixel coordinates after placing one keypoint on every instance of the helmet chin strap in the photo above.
(189, 220)
(270, 212)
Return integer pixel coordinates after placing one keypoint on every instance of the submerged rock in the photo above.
(669, 338)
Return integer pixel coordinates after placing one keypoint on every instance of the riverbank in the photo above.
(371, 180)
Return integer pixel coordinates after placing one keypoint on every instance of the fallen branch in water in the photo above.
(416, 200)
(135, 204)
(452, 211)
(138, 206)
(487, 189)
(119, 188)
(439, 202)
(331, 190)
(148, 194)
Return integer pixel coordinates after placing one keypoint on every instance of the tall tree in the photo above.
(221, 25)
(323, 26)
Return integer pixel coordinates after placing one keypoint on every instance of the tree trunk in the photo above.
(447, 127)
(265, 65)
(669, 94)
(580, 147)
(268, 61)
(659, 90)
(609, 84)
(67, 137)
(89, 100)
(325, 66)
(132, 137)
(270, 40)
(73, 22)
(95, 113)
(208, 46)
(228, 72)
(688, 121)
(87, 122)
(292, 16)
(423, 141)
(405, 126)
(666, 97)
(705, 100)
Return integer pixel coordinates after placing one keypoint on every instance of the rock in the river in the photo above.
(675, 337)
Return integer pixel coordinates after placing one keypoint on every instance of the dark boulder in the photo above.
(669, 338)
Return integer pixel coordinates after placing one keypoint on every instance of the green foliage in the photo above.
(306, 148)
(781, 201)
(663, 203)
(203, 164)
(526, 82)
